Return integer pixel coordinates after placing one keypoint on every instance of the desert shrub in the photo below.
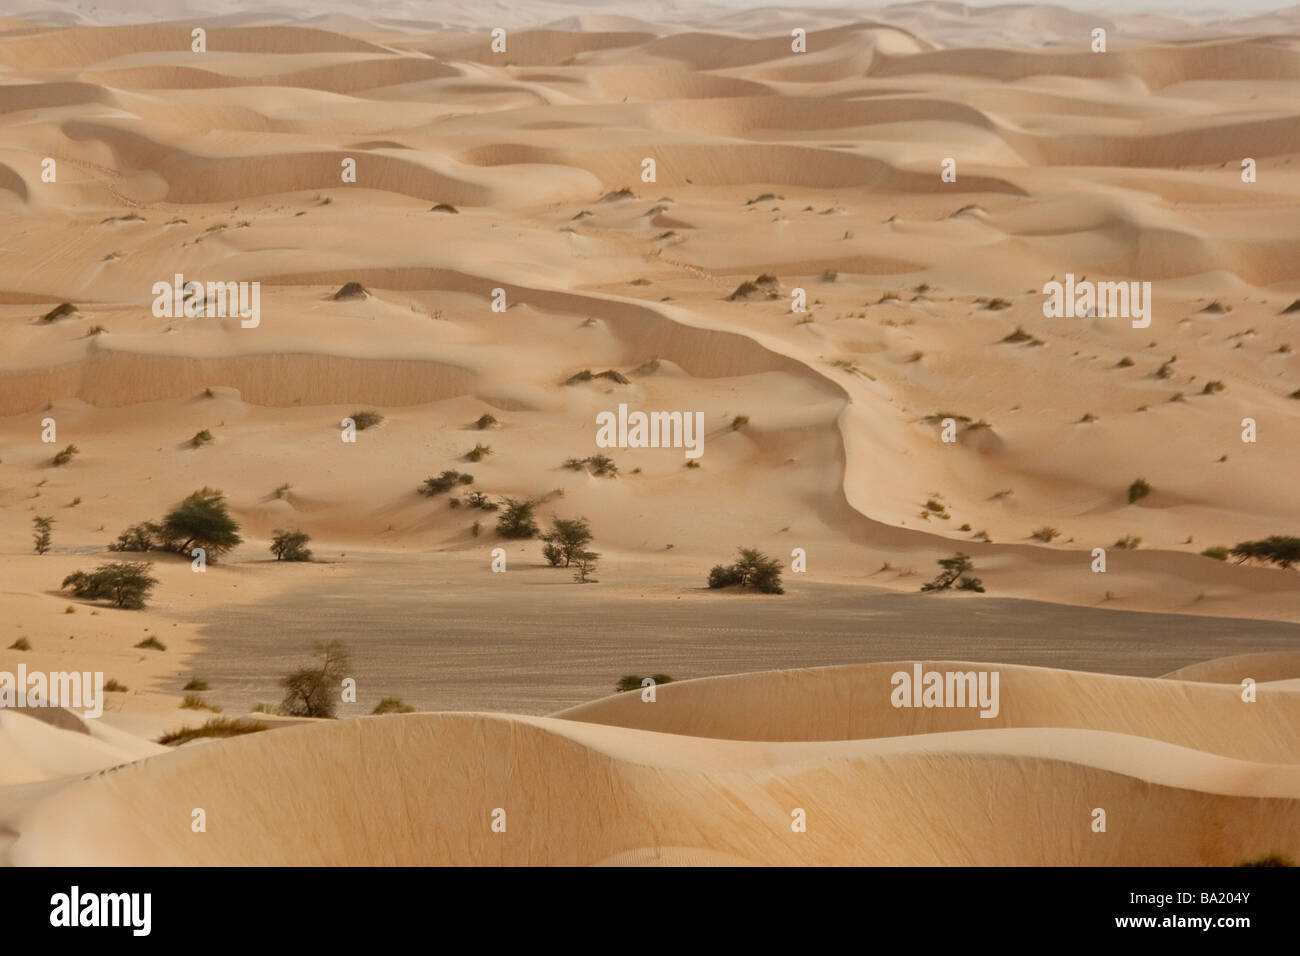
(196, 684)
(65, 456)
(478, 452)
(41, 527)
(1045, 533)
(445, 207)
(200, 521)
(393, 705)
(138, 537)
(1217, 553)
(485, 421)
(1127, 543)
(1019, 335)
(1212, 388)
(602, 466)
(60, 311)
(216, 727)
(567, 539)
(281, 491)
(201, 438)
(152, 643)
(1275, 549)
(739, 422)
(584, 562)
(290, 545)
(753, 570)
(516, 520)
(314, 691)
(115, 686)
(954, 572)
(1125, 362)
(193, 702)
(633, 681)
(444, 482)
(1138, 490)
(366, 420)
(126, 583)
(22, 644)
(1272, 859)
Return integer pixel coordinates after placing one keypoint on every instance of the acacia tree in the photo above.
(201, 521)
(290, 545)
(516, 519)
(314, 691)
(567, 539)
(954, 572)
(41, 533)
(753, 569)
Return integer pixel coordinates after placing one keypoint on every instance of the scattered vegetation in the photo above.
(216, 727)
(444, 482)
(516, 520)
(1127, 543)
(1275, 549)
(41, 527)
(765, 285)
(313, 691)
(1045, 534)
(126, 583)
(602, 466)
(65, 456)
(567, 539)
(393, 705)
(366, 419)
(633, 681)
(478, 452)
(954, 572)
(290, 545)
(586, 375)
(753, 570)
(60, 311)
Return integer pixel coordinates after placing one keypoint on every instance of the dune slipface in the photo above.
(939, 340)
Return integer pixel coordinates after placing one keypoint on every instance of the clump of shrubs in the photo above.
(602, 466)
(200, 521)
(516, 520)
(444, 482)
(126, 583)
(1138, 490)
(753, 570)
(364, 420)
(954, 572)
(290, 545)
(65, 456)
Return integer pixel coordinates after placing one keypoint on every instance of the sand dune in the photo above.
(580, 793)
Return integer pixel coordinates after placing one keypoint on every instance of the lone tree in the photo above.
(516, 519)
(314, 691)
(290, 545)
(585, 562)
(567, 539)
(1275, 549)
(202, 521)
(41, 533)
(126, 583)
(955, 568)
(753, 570)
